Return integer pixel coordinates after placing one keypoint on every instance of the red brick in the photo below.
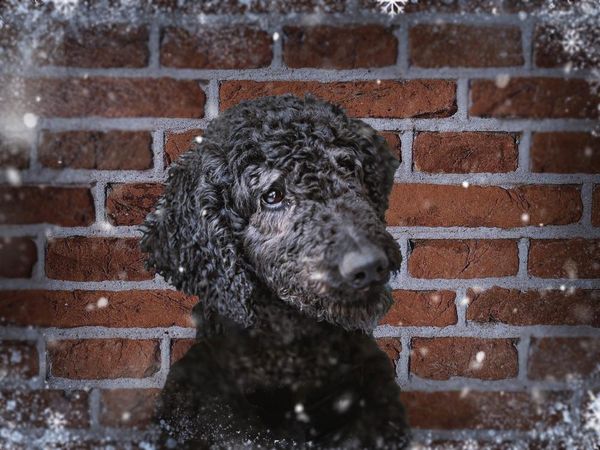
(447, 410)
(547, 307)
(450, 45)
(558, 358)
(465, 152)
(108, 97)
(111, 150)
(463, 259)
(66, 309)
(178, 142)
(445, 358)
(534, 98)
(393, 141)
(216, 47)
(128, 204)
(565, 153)
(549, 50)
(227, 7)
(179, 347)
(33, 408)
(130, 408)
(299, 6)
(94, 359)
(436, 205)
(392, 348)
(330, 47)
(564, 258)
(18, 360)
(100, 46)
(14, 151)
(17, 257)
(95, 259)
(387, 99)
(421, 309)
(596, 206)
(64, 206)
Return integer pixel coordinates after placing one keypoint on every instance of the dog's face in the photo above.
(315, 235)
(288, 193)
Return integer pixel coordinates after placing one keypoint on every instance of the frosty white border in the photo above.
(209, 81)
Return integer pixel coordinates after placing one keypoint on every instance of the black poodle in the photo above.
(276, 221)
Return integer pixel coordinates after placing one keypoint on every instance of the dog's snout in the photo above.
(364, 266)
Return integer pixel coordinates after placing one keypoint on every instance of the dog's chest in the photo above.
(296, 364)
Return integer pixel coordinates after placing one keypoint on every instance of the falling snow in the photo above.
(392, 7)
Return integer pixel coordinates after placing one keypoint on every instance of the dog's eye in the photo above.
(346, 163)
(273, 197)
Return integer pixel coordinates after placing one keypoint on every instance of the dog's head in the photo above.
(286, 193)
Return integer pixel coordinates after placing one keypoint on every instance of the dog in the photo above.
(275, 220)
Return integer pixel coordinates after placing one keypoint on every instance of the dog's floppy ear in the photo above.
(191, 237)
(379, 165)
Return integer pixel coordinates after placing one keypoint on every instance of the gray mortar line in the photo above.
(212, 99)
(524, 154)
(523, 246)
(154, 46)
(158, 155)
(406, 166)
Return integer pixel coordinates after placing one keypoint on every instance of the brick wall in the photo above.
(496, 205)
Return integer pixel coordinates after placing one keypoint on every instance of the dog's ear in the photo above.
(379, 165)
(191, 238)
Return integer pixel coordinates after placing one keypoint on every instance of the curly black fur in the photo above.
(285, 358)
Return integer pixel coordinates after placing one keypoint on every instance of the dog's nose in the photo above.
(359, 268)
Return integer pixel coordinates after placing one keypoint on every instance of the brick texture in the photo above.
(111, 97)
(128, 408)
(33, 407)
(114, 150)
(447, 410)
(564, 258)
(525, 308)
(386, 99)
(178, 142)
(17, 257)
(392, 348)
(95, 259)
(103, 358)
(448, 45)
(18, 360)
(212, 47)
(565, 153)
(464, 152)
(100, 46)
(534, 98)
(463, 258)
(483, 206)
(562, 358)
(66, 309)
(128, 204)
(64, 206)
(422, 309)
(327, 47)
(179, 348)
(444, 358)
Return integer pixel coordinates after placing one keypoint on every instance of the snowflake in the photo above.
(572, 42)
(392, 7)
